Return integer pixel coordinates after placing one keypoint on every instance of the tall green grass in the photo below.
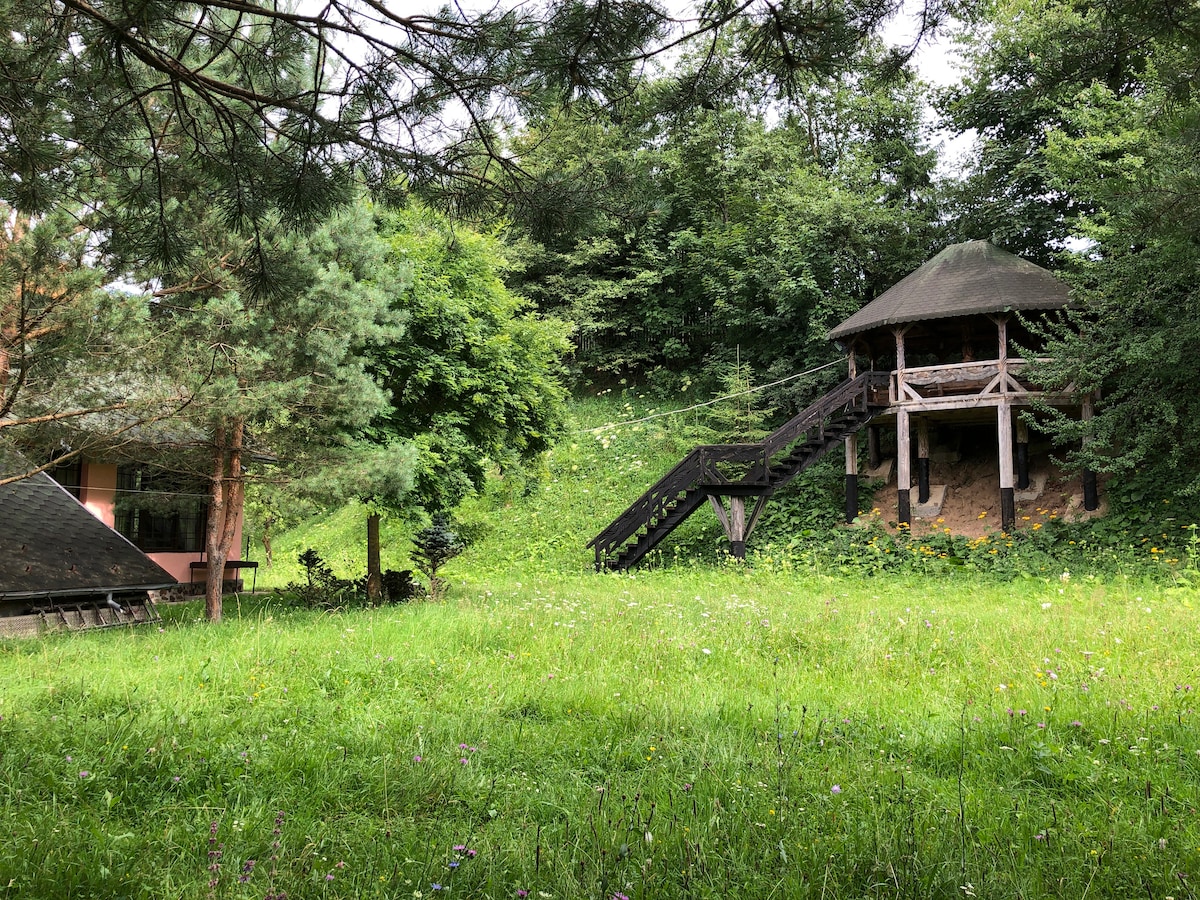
(700, 733)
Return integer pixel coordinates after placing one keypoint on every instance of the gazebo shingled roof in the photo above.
(972, 278)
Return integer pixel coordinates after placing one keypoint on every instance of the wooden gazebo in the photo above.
(938, 347)
(947, 334)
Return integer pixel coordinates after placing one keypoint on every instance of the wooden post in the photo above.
(922, 460)
(1002, 338)
(899, 332)
(873, 459)
(1091, 493)
(374, 569)
(1008, 509)
(737, 526)
(903, 461)
(1022, 455)
(851, 478)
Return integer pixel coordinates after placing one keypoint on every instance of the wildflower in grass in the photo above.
(521, 892)
(454, 864)
(619, 896)
(85, 774)
(464, 760)
(836, 789)
(1076, 724)
(435, 887)
(329, 877)
(247, 871)
(417, 758)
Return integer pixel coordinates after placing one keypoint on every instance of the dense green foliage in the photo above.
(473, 380)
(741, 229)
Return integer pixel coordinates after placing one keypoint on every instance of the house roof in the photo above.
(973, 278)
(51, 546)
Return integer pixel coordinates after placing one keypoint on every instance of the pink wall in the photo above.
(97, 488)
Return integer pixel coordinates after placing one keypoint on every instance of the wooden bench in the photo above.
(235, 564)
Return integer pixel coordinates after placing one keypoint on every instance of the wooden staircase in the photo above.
(738, 471)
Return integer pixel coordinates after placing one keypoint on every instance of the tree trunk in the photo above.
(266, 538)
(226, 498)
(374, 573)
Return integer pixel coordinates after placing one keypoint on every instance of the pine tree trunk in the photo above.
(374, 573)
(226, 498)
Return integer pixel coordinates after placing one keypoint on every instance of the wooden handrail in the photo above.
(698, 468)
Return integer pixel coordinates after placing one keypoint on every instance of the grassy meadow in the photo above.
(785, 728)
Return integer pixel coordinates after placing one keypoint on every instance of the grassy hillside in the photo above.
(541, 519)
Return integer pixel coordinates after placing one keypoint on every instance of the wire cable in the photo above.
(675, 412)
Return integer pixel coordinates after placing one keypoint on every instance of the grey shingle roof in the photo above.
(50, 545)
(967, 279)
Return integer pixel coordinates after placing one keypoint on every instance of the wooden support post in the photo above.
(899, 332)
(1008, 508)
(922, 460)
(851, 478)
(1022, 456)
(873, 459)
(1002, 338)
(737, 523)
(737, 526)
(1091, 493)
(903, 464)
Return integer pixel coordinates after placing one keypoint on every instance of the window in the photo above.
(160, 511)
(69, 475)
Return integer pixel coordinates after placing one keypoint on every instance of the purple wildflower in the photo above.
(836, 789)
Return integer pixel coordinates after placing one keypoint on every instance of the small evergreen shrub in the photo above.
(433, 547)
